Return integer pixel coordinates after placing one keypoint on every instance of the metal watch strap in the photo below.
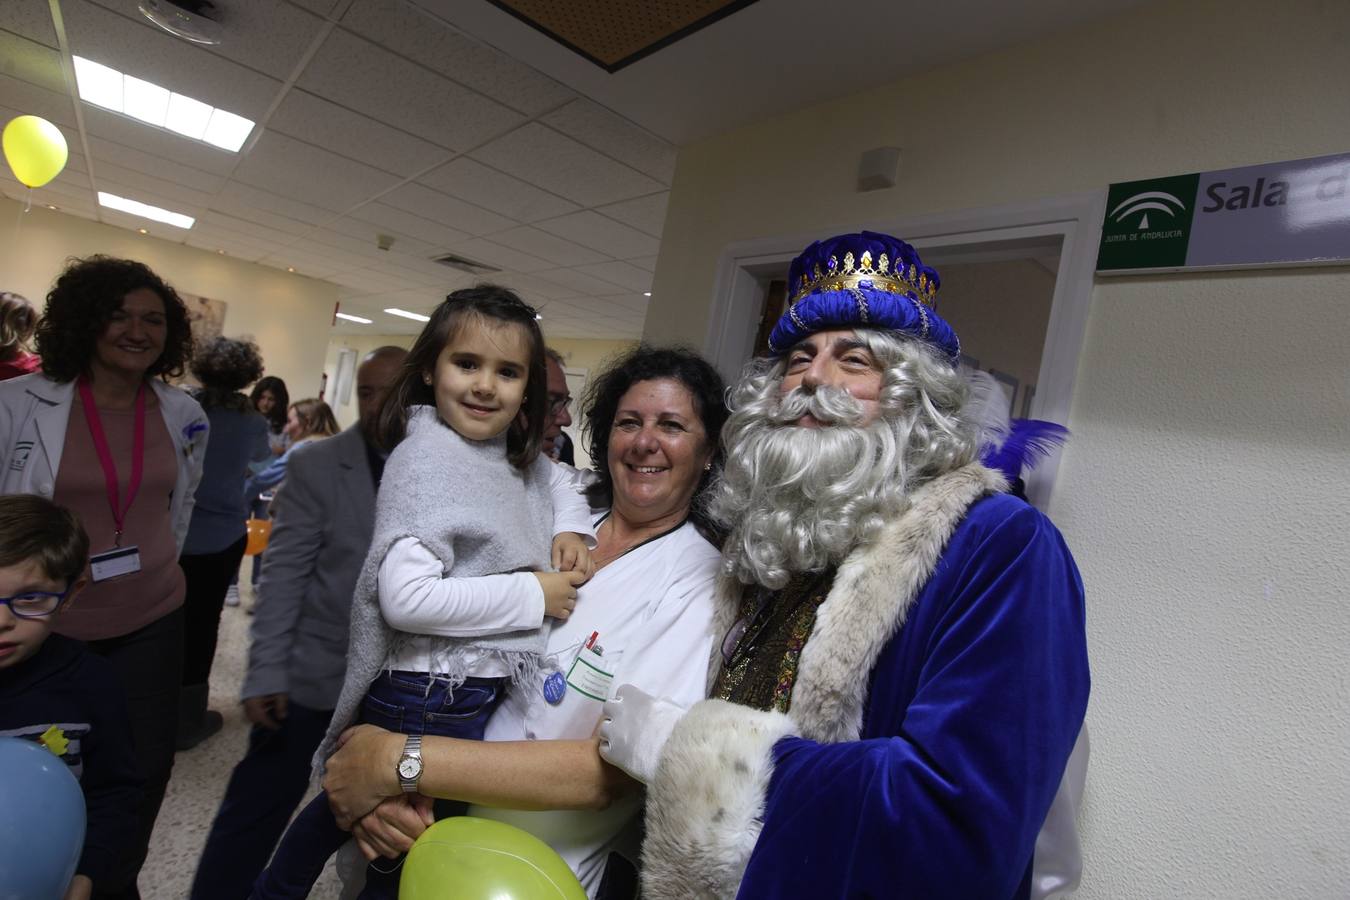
(412, 750)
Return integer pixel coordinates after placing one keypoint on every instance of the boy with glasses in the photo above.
(55, 692)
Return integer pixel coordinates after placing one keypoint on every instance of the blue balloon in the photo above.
(42, 826)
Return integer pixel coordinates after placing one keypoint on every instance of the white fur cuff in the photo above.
(704, 808)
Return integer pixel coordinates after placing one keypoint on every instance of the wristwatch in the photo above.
(410, 764)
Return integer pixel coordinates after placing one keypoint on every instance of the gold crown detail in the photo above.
(878, 273)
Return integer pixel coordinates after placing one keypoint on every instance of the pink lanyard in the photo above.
(119, 512)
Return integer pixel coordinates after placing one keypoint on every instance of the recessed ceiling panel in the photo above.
(497, 191)
(403, 28)
(386, 87)
(315, 120)
(616, 33)
(30, 18)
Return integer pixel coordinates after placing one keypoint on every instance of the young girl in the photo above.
(452, 600)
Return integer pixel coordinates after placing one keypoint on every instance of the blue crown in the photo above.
(870, 280)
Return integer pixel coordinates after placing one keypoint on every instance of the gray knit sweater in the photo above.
(480, 515)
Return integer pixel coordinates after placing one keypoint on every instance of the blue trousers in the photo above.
(266, 787)
(406, 702)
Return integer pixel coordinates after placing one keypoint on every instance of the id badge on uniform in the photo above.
(114, 563)
(590, 675)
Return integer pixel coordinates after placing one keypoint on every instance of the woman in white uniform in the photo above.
(654, 421)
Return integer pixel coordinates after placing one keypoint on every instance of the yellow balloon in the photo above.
(35, 149)
(467, 858)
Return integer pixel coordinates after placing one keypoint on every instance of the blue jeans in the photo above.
(406, 702)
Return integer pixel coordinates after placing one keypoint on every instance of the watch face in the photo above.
(409, 767)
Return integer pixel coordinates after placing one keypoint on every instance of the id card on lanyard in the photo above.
(118, 560)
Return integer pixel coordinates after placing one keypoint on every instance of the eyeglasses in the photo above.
(557, 404)
(35, 604)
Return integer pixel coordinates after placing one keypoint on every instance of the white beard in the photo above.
(799, 499)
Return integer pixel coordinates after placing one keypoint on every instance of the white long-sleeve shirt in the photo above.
(417, 597)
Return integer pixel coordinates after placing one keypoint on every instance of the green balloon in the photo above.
(467, 858)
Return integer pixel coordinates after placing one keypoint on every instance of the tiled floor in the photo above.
(200, 775)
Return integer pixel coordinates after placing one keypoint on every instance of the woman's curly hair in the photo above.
(82, 303)
(225, 367)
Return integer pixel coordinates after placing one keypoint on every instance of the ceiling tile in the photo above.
(496, 191)
(157, 141)
(494, 254)
(410, 32)
(593, 230)
(316, 265)
(447, 210)
(372, 281)
(535, 290)
(154, 55)
(643, 262)
(615, 136)
(321, 7)
(262, 34)
(398, 221)
(317, 121)
(265, 208)
(117, 179)
(155, 166)
(373, 81)
(213, 241)
(241, 229)
(68, 197)
(587, 285)
(559, 164)
(365, 246)
(621, 273)
(304, 172)
(30, 18)
(646, 214)
(546, 246)
(22, 98)
(31, 62)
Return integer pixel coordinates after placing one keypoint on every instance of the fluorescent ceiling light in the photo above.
(145, 210)
(416, 317)
(160, 107)
(227, 131)
(356, 319)
(145, 101)
(98, 84)
(188, 117)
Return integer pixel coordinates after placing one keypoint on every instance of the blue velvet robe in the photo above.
(972, 710)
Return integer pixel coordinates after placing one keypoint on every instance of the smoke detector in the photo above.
(197, 21)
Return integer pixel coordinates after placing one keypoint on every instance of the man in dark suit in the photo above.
(323, 518)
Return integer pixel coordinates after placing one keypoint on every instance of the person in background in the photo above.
(557, 445)
(323, 520)
(216, 537)
(653, 419)
(270, 398)
(17, 321)
(306, 421)
(103, 434)
(56, 693)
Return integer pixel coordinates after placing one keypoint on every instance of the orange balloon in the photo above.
(259, 530)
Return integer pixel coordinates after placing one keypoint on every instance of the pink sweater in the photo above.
(121, 605)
